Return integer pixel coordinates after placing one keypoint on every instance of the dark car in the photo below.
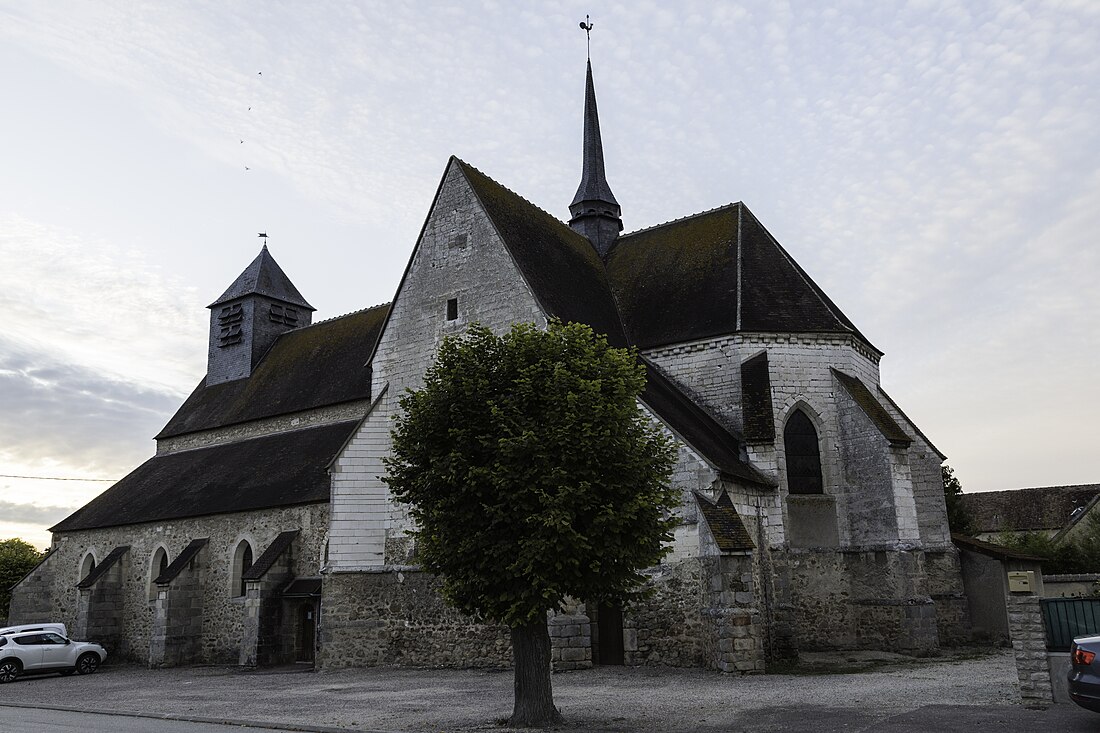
(1084, 674)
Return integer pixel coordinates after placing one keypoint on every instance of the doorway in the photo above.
(608, 636)
(305, 641)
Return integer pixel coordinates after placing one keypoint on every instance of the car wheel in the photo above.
(9, 670)
(87, 663)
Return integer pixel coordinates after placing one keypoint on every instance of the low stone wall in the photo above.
(398, 617)
(862, 599)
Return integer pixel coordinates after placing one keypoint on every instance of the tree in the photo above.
(532, 476)
(958, 518)
(17, 558)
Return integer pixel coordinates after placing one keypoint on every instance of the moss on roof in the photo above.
(314, 366)
(561, 266)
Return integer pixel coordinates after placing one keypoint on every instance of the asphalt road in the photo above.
(28, 720)
(892, 694)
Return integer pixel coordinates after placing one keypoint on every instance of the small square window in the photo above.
(452, 309)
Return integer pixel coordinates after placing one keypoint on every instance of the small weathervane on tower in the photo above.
(587, 26)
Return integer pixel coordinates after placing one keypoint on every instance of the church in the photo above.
(811, 508)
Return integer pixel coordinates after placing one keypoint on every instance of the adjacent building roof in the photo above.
(1026, 510)
(310, 367)
(999, 552)
(264, 277)
(714, 273)
(276, 470)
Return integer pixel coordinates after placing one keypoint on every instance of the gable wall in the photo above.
(479, 272)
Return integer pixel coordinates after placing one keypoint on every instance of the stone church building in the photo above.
(812, 510)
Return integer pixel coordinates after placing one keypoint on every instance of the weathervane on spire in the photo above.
(587, 25)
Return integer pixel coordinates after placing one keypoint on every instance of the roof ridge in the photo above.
(342, 315)
(682, 218)
(1065, 487)
(521, 197)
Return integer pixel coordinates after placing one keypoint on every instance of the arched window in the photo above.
(803, 456)
(87, 565)
(157, 565)
(242, 561)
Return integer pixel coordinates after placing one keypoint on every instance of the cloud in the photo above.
(33, 514)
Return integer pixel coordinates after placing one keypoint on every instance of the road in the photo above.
(31, 720)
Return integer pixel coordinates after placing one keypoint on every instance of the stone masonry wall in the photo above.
(223, 609)
(459, 256)
(398, 617)
(862, 600)
(1025, 626)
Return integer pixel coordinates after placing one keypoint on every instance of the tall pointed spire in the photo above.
(595, 212)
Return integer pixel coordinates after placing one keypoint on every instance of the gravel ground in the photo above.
(647, 700)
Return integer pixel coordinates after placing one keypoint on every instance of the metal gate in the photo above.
(1066, 618)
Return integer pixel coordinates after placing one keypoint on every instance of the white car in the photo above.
(37, 652)
(56, 628)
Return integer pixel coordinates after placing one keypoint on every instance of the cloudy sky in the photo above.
(935, 166)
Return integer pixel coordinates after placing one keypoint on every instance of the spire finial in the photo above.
(587, 25)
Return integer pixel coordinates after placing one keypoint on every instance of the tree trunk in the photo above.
(534, 705)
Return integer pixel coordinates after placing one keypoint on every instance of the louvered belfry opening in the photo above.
(803, 455)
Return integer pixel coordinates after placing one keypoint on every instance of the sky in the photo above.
(934, 166)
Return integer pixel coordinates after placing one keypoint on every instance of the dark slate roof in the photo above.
(176, 567)
(1019, 510)
(756, 399)
(561, 266)
(717, 444)
(309, 367)
(999, 552)
(718, 272)
(725, 524)
(874, 409)
(278, 546)
(101, 569)
(264, 277)
(276, 470)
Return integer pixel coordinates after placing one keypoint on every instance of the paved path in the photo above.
(900, 695)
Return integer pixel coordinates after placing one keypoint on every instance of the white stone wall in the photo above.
(460, 255)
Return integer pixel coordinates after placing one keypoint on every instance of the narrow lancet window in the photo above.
(803, 455)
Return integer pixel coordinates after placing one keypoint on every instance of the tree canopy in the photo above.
(958, 518)
(532, 475)
(17, 558)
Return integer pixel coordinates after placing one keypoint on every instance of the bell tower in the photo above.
(245, 321)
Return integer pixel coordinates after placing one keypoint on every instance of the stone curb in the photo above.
(303, 728)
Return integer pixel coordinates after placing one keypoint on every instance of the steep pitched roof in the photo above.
(717, 444)
(560, 265)
(264, 277)
(717, 272)
(593, 185)
(1020, 510)
(310, 367)
(284, 469)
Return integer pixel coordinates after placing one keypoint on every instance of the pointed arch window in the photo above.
(800, 444)
(87, 565)
(242, 562)
(157, 565)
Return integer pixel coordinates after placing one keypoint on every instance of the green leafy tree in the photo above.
(533, 476)
(17, 558)
(958, 519)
